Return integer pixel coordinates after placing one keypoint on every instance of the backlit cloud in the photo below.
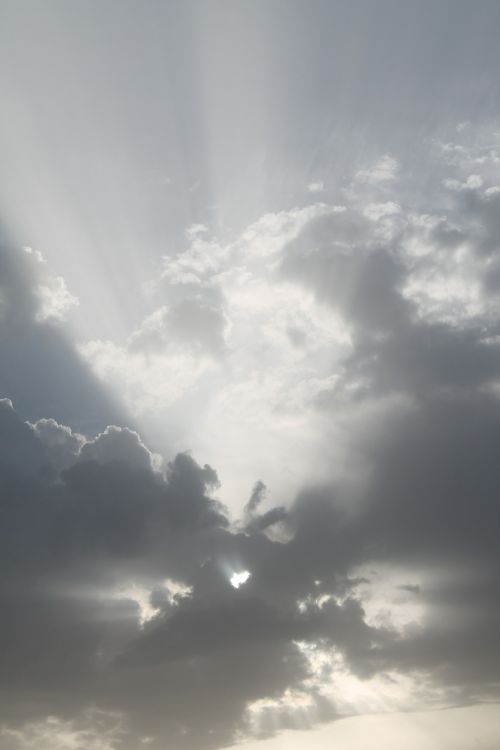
(249, 375)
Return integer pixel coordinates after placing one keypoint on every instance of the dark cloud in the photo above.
(61, 444)
(70, 539)
(256, 498)
(117, 444)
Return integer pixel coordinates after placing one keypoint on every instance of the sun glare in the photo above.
(238, 579)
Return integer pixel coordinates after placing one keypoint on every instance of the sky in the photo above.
(249, 374)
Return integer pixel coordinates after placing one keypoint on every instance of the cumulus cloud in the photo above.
(118, 444)
(61, 444)
(108, 520)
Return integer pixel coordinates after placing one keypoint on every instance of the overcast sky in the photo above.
(249, 374)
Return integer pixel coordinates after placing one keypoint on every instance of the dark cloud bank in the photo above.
(82, 517)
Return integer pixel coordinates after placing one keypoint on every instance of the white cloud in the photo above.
(491, 192)
(376, 211)
(260, 351)
(247, 383)
(316, 187)
(194, 230)
(55, 300)
(385, 169)
(473, 182)
(146, 382)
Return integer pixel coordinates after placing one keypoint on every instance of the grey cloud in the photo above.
(39, 367)
(61, 444)
(82, 523)
(117, 444)
(100, 523)
(20, 446)
(261, 521)
(270, 518)
(332, 255)
(430, 496)
(397, 346)
(423, 358)
(205, 656)
(256, 498)
(196, 323)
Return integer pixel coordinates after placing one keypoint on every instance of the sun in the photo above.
(238, 579)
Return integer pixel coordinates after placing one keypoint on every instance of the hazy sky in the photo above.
(249, 374)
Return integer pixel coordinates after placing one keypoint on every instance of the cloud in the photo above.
(194, 323)
(95, 532)
(55, 300)
(118, 444)
(109, 519)
(229, 344)
(256, 498)
(93, 731)
(473, 182)
(384, 169)
(316, 187)
(39, 367)
(376, 211)
(61, 444)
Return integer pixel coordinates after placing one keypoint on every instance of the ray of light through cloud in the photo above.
(249, 375)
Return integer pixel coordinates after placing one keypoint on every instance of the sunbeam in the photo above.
(249, 390)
